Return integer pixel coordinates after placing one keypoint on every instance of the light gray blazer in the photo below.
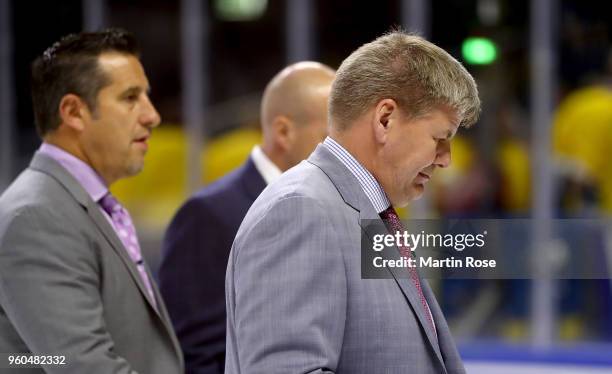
(296, 302)
(68, 286)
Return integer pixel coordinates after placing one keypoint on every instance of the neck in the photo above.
(73, 148)
(276, 156)
(357, 144)
(68, 146)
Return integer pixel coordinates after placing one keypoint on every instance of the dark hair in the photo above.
(71, 66)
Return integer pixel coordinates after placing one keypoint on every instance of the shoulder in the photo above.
(304, 183)
(213, 198)
(37, 211)
(303, 193)
(292, 217)
(229, 185)
(218, 208)
(35, 191)
(47, 231)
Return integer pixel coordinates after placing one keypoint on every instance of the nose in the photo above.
(443, 154)
(149, 116)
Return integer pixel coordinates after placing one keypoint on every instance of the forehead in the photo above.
(444, 118)
(123, 70)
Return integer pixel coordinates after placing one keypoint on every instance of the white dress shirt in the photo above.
(268, 170)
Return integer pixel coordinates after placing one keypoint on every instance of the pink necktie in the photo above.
(394, 224)
(127, 233)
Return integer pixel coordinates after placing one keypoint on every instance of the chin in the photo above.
(416, 192)
(417, 197)
(403, 202)
(135, 169)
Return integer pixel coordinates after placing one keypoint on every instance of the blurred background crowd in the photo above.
(540, 149)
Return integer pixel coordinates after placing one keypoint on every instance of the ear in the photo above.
(385, 111)
(73, 112)
(284, 132)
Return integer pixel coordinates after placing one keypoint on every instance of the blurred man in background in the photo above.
(199, 239)
(296, 299)
(72, 278)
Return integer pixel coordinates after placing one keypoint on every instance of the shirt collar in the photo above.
(268, 170)
(83, 173)
(368, 183)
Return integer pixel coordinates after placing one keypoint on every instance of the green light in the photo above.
(240, 10)
(479, 51)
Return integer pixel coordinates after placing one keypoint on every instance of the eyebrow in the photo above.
(135, 90)
(450, 134)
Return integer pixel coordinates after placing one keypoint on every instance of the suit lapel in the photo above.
(49, 166)
(371, 224)
(452, 359)
(111, 236)
(341, 177)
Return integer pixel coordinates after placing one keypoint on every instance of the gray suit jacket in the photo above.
(296, 302)
(68, 286)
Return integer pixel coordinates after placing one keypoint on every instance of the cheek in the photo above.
(426, 156)
(411, 166)
(99, 140)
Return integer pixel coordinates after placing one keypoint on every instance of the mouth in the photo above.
(142, 141)
(422, 178)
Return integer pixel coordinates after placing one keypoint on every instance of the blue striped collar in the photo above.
(368, 183)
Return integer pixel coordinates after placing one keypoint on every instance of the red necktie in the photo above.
(394, 224)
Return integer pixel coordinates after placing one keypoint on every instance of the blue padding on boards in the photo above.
(598, 354)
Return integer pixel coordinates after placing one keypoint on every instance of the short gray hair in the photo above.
(404, 67)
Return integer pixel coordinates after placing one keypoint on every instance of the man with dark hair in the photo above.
(73, 282)
(296, 301)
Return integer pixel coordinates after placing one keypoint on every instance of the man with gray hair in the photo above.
(296, 301)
